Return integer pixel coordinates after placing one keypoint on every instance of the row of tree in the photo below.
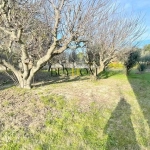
(134, 56)
(33, 32)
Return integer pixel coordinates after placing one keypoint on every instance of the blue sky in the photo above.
(143, 7)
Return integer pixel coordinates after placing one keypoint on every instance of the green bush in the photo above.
(131, 60)
(115, 65)
(142, 67)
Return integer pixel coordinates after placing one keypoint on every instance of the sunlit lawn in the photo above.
(122, 126)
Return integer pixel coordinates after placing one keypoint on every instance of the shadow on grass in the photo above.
(3, 87)
(119, 128)
(108, 73)
(40, 79)
(140, 84)
(59, 79)
(43, 78)
(5, 81)
(46, 76)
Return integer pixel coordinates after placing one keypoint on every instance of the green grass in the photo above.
(71, 72)
(66, 127)
(110, 73)
(124, 126)
(143, 76)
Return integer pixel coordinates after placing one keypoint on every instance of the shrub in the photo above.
(115, 65)
(142, 67)
(131, 60)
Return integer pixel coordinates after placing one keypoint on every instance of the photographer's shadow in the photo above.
(119, 128)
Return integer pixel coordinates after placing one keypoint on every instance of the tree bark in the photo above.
(26, 84)
(127, 71)
(99, 70)
(49, 67)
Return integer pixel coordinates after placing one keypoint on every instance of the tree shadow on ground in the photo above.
(47, 76)
(59, 79)
(140, 85)
(119, 128)
(3, 87)
(40, 79)
(5, 81)
(108, 73)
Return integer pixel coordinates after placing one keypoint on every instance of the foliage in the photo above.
(131, 60)
(145, 58)
(142, 67)
(116, 65)
(147, 48)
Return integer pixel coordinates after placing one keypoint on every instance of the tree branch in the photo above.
(10, 66)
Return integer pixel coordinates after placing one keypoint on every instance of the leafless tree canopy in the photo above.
(34, 31)
(116, 33)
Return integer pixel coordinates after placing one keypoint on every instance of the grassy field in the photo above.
(75, 113)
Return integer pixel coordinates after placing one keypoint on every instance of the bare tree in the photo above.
(113, 35)
(61, 60)
(34, 31)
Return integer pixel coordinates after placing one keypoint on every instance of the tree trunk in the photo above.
(63, 68)
(49, 67)
(58, 71)
(67, 71)
(127, 71)
(99, 70)
(91, 71)
(25, 83)
(95, 72)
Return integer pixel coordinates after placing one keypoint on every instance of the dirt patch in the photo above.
(21, 109)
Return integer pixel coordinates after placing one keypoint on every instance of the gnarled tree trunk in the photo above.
(99, 69)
